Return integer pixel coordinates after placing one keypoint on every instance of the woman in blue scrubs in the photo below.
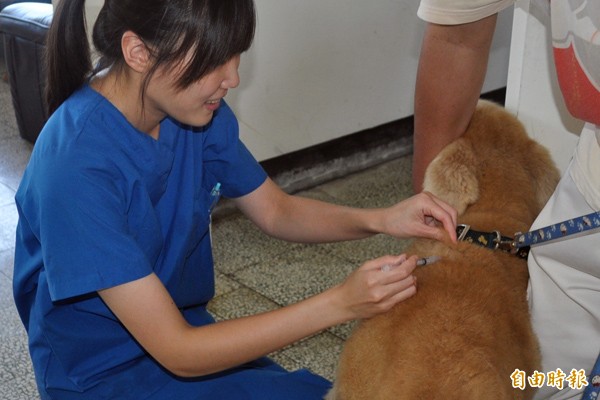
(113, 264)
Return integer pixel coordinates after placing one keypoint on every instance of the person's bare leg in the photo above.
(451, 71)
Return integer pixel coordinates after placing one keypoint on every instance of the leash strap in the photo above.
(592, 390)
(558, 231)
(520, 244)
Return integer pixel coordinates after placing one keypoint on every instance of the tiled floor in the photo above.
(254, 272)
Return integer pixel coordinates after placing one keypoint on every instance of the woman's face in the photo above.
(196, 104)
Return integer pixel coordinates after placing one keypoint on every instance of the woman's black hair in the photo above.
(211, 31)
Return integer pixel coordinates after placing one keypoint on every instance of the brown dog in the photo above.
(468, 328)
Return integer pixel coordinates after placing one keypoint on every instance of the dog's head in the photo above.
(494, 173)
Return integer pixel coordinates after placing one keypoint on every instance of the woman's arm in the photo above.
(148, 312)
(300, 219)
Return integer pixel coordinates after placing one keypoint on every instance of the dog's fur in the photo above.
(468, 327)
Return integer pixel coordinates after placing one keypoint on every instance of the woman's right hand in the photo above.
(377, 286)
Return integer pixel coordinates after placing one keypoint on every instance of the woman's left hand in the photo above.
(422, 215)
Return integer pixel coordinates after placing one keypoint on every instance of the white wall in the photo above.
(319, 70)
(322, 69)
(92, 9)
(533, 92)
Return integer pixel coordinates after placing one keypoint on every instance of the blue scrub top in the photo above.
(102, 204)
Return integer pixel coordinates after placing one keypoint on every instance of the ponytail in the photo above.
(68, 59)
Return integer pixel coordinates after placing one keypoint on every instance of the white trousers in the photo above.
(564, 292)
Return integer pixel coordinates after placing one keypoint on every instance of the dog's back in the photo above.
(467, 328)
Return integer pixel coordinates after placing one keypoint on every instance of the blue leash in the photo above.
(592, 390)
(558, 231)
(520, 244)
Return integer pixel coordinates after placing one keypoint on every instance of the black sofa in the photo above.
(23, 29)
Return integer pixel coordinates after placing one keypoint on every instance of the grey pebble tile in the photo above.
(359, 251)
(7, 195)
(224, 284)
(15, 156)
(7, 113)
(11, 323)
(238, 243)
(343, 331)
(286, 362)
(319, 354)
(8, 226)
(15, 362)
(240, 303)
(19, 389)
(7, 258)
(318, 194)
(379, 186)
(16, 372)
(294, 276)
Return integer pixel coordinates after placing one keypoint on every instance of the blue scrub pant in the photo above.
(259, 380)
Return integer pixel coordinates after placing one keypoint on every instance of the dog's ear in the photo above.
(452, 175)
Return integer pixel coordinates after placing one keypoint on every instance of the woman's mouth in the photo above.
(212, 105)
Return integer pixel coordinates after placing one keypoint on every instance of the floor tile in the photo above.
(7, 258)
(14, 360)
(15, 364)
(319, 354)
(11, 324)
(8, 225)
(295, 275)
(7, 113)
(238, 243)
(224, 285)
(286, 362)
(7, 195)
(343, 331)
(359, 251)
(378, 186)
(15, 156)
(240, 303)
(21, 388)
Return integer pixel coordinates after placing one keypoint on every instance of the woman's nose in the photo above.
(232, 76)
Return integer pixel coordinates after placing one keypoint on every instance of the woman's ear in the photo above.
(135, 52)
